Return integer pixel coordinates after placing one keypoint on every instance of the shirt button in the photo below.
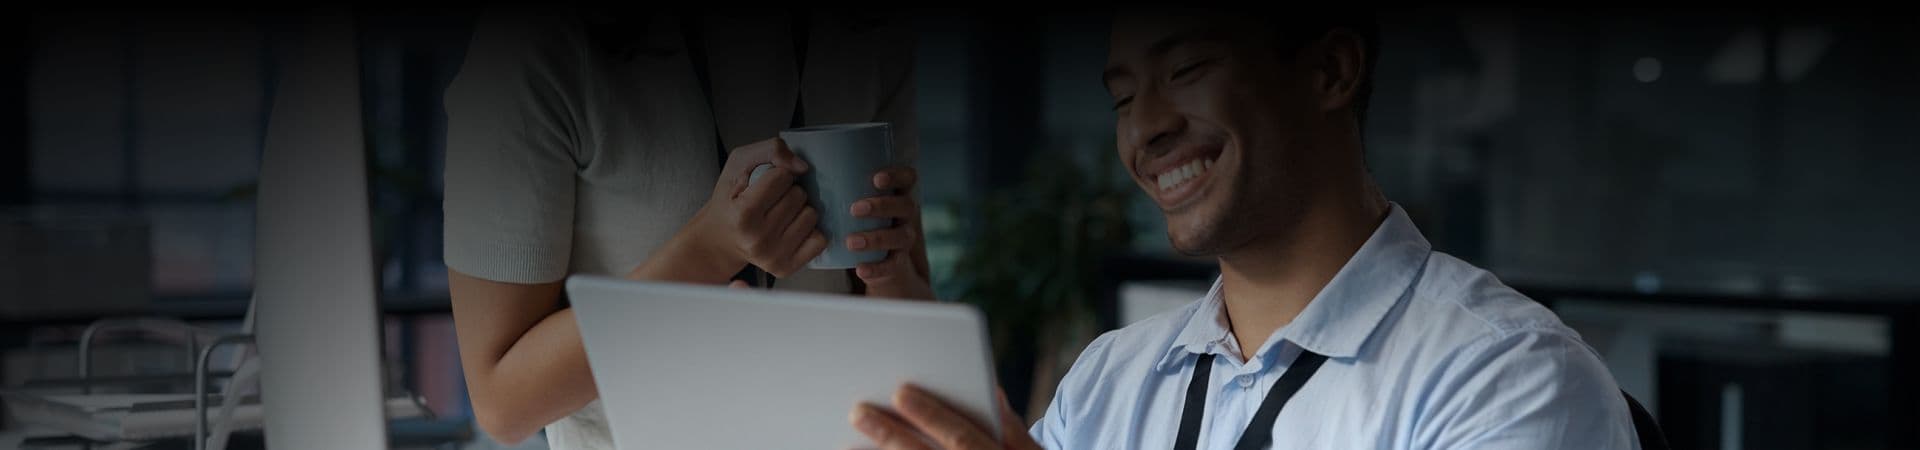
(1246, 380)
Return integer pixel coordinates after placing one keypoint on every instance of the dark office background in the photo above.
(1720, 200)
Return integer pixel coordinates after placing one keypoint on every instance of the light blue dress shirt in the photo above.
(1424, 352)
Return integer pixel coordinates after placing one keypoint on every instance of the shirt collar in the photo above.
(1206, 327)
(1343, 315)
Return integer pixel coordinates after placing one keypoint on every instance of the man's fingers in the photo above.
(1013, 429)
(890, 206)
(942, 423)
(896, 177)
(887, 431)
(739, 284)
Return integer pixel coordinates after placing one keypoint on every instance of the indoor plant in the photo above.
(1032, 264)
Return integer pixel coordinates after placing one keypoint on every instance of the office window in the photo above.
(158, 116)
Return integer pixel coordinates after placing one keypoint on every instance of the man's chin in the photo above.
(1200, 235)
(1192, 242)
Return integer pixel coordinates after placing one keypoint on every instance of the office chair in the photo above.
(1651, 438)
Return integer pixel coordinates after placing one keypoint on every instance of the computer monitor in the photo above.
(317, 324)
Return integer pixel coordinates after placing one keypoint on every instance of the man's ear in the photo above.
(1339, 67)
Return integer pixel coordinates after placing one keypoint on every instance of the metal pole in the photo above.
(200, 387)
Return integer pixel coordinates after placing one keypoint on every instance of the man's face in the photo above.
(1210, 123)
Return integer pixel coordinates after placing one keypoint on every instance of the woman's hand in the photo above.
(904, 273)
(767, 223)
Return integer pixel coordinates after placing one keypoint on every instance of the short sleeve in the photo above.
(1053, 429)
(1534, 389)
(510, 160)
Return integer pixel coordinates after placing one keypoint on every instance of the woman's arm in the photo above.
(510, 179)
(525, 365)
(520, 350)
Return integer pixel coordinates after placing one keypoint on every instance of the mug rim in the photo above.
(834, 127)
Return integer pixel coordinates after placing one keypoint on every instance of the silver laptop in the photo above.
(685, 366)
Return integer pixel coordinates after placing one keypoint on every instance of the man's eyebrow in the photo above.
(1114, 71)
(1162, 46)
(1171, 41)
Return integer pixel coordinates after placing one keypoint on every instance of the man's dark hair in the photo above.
(1296, 28)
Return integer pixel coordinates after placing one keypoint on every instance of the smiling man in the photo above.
(1333, 324)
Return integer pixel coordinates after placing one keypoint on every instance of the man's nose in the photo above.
(1153, 121)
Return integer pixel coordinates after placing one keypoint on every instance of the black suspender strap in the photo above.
(1196, 404)
(1259, 432)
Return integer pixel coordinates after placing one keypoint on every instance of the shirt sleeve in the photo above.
(1533, 389)
(511, 159)
(1053, 430)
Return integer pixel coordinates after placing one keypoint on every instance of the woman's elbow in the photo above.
(504, 424)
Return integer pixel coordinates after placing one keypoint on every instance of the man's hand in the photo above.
(904, 273)
(925, 422)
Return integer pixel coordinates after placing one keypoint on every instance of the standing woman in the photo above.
(595, 143)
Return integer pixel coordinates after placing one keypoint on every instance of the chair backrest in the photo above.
(1651, 438)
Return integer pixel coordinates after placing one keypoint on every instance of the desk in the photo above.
(219, 307)
(408, 310)
(401, 434)
(1901, 312)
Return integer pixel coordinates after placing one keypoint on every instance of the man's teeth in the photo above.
(1185, 172)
